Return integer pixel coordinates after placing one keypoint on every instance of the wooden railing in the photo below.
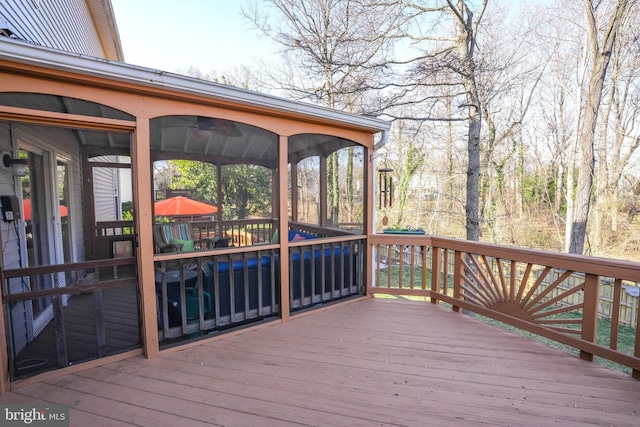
(226, 287)
(105, 236)
(532, 290)
(629, 298)
(324, 270)
(245, 232)
(220, 288)
(101, 315)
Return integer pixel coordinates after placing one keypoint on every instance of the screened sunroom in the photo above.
(144, 210)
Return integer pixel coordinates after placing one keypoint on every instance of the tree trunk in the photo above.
(349, 202)
(465, 45)
(600, 58)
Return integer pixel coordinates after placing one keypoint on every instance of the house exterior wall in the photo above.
(105, 190)
(62, 24)
(55, 141)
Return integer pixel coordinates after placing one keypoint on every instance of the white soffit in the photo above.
(104, 21)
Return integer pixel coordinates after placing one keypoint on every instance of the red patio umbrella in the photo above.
(26, 206)
(180, 206)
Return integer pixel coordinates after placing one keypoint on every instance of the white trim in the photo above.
(73, 252)
(18, 51)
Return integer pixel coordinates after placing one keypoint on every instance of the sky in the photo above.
(172, 35)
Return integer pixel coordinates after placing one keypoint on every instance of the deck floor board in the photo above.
(374, 362)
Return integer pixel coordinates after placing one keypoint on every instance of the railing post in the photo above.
(590, 312)
(435, 271)
(635, 373)
(458, 271)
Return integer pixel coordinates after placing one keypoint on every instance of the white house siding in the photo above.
(105, 187)
(61, 24)
(10, 252)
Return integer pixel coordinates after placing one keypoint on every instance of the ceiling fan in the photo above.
(205, 126)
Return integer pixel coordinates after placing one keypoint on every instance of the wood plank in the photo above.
(121, 328)
(371, 362)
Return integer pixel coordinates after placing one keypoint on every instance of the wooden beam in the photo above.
(323, 192)
(142, 199)
(369, 226)
(283, 215)
(294, 192)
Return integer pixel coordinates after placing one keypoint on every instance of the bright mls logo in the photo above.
(34, 415)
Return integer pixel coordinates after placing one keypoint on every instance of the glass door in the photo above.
(40, 230)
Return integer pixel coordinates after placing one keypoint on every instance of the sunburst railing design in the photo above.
(495, 284)
(559, 297)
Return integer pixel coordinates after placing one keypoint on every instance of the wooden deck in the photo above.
(373, 362)
(120, 319)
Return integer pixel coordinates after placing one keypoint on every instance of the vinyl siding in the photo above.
(105, 185)
(11, 249)
(61, 24)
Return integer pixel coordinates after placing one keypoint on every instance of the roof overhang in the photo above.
(46, 58)
(104, 21)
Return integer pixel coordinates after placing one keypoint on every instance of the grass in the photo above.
(626, 338)
(406, 278)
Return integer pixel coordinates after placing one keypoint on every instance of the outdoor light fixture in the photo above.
(202, 133)
(19, 166)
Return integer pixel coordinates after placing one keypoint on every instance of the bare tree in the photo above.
(600, 51)
(335, 51)
(447, 31)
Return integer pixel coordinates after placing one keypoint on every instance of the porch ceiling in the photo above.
(187, 137)
(232, 142)
(199, 138)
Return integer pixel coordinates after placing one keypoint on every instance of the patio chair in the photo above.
(179, 237)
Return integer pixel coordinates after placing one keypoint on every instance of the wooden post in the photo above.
(590, 312)
(458, 271)
(143, 201)
(285, 304)
(294, 192)
(435, 271)
(323, 192)
(635, 373)
(369, 226)
(615, 314)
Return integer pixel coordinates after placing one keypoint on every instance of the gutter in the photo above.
(15, 51)
(383, 140)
